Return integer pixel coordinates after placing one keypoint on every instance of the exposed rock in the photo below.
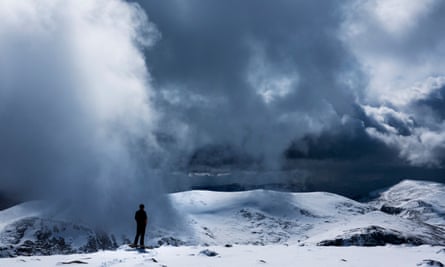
(75, 262)
(372, 236)
(391, 210)
(208, 253)
(415, 200)
(430, 263)
(170, 241)
(36, 236)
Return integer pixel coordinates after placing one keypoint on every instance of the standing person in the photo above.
(141, 222)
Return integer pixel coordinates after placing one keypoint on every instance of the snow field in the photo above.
(244, 255)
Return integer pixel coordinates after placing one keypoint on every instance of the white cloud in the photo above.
(388, 38)
(399, 16)
(400, 47)
(424, 143)
(419, 148)
(271, 82)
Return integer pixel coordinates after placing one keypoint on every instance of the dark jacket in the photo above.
(141, 217)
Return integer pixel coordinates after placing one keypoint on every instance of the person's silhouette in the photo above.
(141, 223)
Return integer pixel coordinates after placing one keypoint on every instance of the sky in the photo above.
(101, 102)
(351, 92)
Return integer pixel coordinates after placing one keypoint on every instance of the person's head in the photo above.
(141, 206)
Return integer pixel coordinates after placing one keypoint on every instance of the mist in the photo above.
(75, 108)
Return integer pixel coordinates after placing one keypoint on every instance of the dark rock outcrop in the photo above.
(375, 236)
(36, 236)
(430, 263)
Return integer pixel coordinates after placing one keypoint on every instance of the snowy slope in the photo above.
(415, 200)
(258, 217)
(265, 217)
(246, 256)
(28, 229)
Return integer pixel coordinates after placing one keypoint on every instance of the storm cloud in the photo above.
(253, 74)
(113, 99)
(303, 83)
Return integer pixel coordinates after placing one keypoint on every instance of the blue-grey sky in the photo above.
(114, 98)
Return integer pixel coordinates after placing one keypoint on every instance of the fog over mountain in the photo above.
(103, 103)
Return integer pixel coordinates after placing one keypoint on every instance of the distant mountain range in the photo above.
(411, 212)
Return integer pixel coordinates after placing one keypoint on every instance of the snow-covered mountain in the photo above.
(264, 217)
(408, 213)
(29, 229)
(415, 200)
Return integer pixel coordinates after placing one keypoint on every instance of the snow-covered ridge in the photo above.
(29, 229)
(265, 217)
(415, 200)
(408, 213)
(261, 216)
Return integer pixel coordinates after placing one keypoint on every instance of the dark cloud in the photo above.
(272, 83)
(433, 104)
(251, 72)
(340, 146)
(317, 95)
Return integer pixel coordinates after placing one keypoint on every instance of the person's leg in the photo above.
(141, 233)
(138, 233)
(142, 236)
